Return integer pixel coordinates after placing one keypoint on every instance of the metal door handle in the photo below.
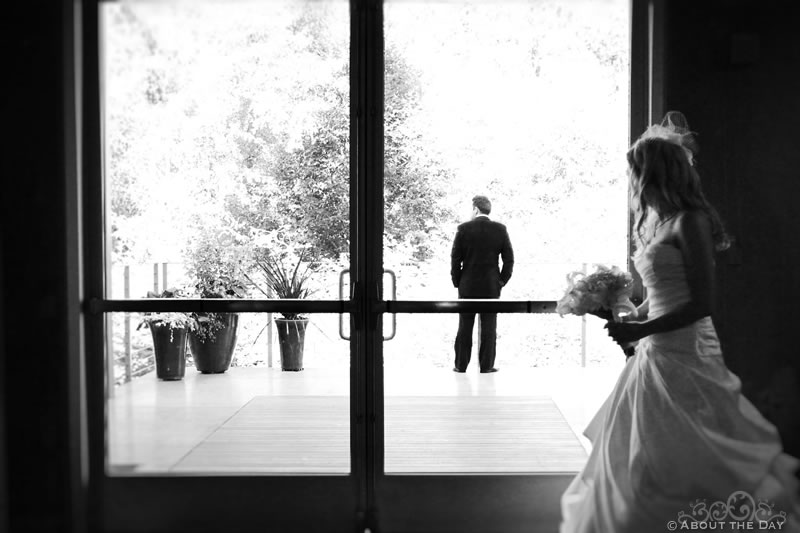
(342, 275)
(394, 297)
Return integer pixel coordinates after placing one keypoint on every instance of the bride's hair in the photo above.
(664, 180)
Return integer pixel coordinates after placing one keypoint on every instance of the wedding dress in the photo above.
(676, 442)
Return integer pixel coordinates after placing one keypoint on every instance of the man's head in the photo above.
(482, 205)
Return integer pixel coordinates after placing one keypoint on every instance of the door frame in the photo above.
(411, 503)
(366, 498)
(211, 503)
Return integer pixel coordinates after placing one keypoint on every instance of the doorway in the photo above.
(374, 285)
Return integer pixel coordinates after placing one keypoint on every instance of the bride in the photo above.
(676, 443)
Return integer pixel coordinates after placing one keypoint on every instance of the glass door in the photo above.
(526, 103)
(224, 356)
(232, 149)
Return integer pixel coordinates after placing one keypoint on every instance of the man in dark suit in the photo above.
(476, 273)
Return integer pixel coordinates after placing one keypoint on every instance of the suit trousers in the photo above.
(488, 340)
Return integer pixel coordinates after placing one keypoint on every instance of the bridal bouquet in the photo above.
(604, 289)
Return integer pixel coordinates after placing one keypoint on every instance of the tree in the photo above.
(303, 187)
(414, 180)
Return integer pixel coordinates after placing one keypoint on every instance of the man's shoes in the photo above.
(489, 371)
(459, 371)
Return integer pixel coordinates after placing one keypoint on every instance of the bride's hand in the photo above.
(626, 332)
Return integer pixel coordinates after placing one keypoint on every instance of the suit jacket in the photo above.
(474, 265)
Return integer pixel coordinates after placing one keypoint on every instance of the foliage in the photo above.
(290, 132)
(285, 281)
(415, 180)
(275, 151)
(221, 127)
(207, 325)
(283, 273)
(170, 319)
(527, 103)
(214, 260)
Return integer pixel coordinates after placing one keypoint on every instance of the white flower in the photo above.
(605, 288)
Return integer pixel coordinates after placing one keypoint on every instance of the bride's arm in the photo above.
(693, 238)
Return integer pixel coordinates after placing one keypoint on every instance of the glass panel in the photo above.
(526, 103)
(227, 143)
(237, 411)
(528, 417)
(227, 171)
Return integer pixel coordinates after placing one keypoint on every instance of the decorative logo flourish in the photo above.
(740, 507)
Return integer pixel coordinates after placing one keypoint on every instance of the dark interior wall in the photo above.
(733, 67)
(33, 382)
(3, 434)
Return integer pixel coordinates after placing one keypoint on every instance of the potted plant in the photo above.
(213, 340)
(169, 332)
(214, 262)
(286, 275)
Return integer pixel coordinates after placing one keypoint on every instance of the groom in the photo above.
(475, 272)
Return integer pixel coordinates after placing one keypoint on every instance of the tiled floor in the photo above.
(156, 425)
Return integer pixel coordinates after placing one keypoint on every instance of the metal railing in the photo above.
(127, 357)
(131, 360)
